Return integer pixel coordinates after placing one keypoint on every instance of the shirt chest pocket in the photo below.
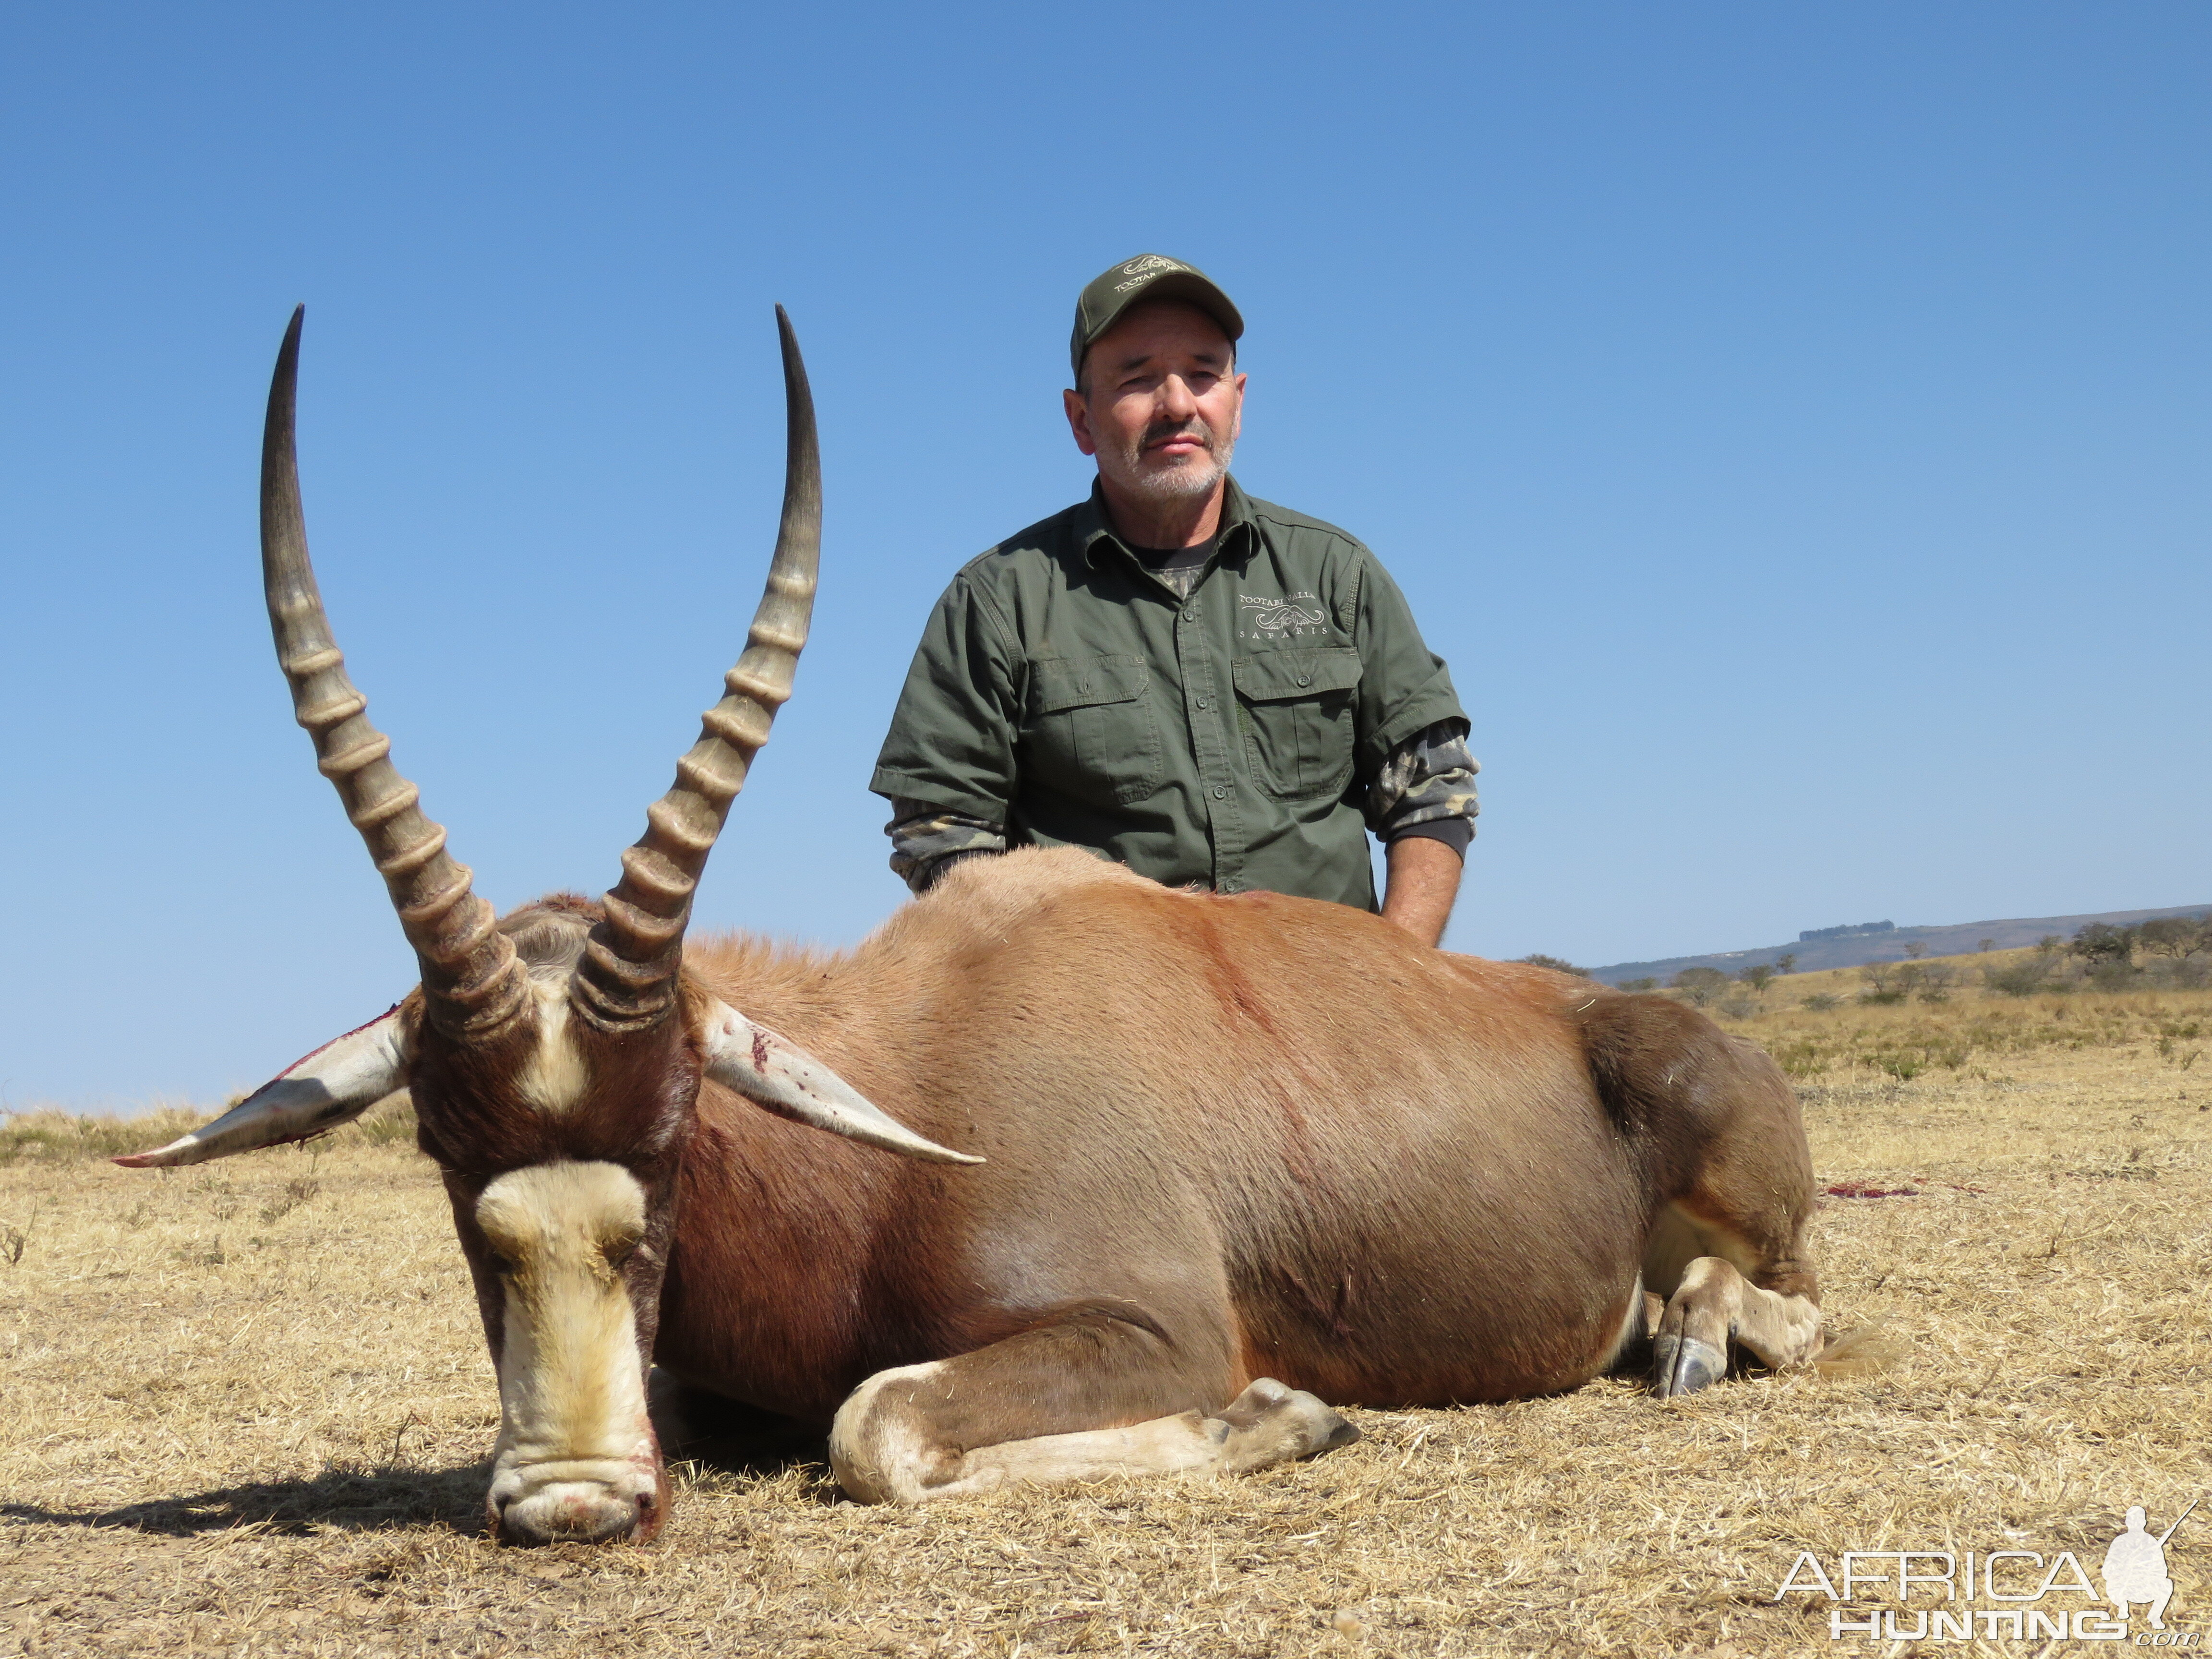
(1295, 708)
(1092, 732)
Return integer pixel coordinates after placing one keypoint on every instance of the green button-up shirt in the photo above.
(1225, 739)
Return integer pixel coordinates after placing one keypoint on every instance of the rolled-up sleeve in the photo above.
(952, 740)
(1427, 788)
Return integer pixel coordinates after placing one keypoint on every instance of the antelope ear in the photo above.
(777, 1073)
(335, 1084)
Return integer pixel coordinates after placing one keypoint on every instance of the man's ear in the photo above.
(1079, 421)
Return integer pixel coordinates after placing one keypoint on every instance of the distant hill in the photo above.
(1850, 946)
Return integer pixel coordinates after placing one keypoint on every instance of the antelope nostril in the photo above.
(572, 1518)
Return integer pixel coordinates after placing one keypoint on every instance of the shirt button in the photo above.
(1221, 794)
(1191, 614)
(1304, 680)
(1201, 703)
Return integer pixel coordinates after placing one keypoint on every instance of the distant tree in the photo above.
(1700, 985)
(2049, 944)
(1786, 963)
(1647, 984)
(1985, 945)
(2101, 942)
(2177, 937)
(1914, 950)
(1758, 976)
(1556, 964)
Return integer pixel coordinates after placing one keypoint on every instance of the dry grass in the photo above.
(247, 1407)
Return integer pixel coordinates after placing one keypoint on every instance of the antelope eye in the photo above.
(619, 1251)
(498, 1263)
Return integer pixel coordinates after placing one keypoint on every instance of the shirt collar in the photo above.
(1093, 529)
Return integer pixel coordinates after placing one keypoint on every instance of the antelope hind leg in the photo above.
(925, 1431)
(1716, 1305)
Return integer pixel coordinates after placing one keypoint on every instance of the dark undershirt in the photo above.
(1178, 566)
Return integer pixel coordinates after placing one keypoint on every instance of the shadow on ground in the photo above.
(349, 1500)
(719, 1435)
(727, 1437)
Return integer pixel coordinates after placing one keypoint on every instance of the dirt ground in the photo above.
(248, 1407)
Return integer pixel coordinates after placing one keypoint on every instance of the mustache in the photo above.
(1195, 427)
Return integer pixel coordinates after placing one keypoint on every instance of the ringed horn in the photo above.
(626, 980)
(472, 982)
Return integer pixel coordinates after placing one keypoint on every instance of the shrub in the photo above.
(1888, 982)
(1935, 981)
(1700, 985)
(2113, 974)
(2023, 978)
(1820, 1001)
(1647, 984)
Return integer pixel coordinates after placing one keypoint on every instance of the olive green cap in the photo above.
(1147, 277)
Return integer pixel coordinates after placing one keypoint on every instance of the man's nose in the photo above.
(1177, 401)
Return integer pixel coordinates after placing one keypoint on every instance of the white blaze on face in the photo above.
(553, 1078)
(576, 1457)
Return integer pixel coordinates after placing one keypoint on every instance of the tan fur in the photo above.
(1247, 1158)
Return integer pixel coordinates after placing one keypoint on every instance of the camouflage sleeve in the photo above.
(924, 837)
(1426, 785)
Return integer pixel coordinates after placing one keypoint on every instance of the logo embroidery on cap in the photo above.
(1141, 271)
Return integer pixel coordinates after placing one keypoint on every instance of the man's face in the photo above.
(1161, 404)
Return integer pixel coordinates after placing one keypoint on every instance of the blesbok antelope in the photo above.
(1226, 1162)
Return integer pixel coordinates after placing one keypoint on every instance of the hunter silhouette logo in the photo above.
(2026, 1586)
(2134, 1567)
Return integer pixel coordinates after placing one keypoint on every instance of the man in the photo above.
(1200, 686)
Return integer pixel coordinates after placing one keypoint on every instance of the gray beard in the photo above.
(1182, 481)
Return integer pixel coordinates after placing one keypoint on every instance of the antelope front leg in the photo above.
(1715, 1304)
(956, 1427)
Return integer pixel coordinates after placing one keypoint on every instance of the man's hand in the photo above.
(1423, 882)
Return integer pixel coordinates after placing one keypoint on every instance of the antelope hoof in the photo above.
(1272, 1423)
(1683, 1365)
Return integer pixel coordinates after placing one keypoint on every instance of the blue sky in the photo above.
(1789, 421)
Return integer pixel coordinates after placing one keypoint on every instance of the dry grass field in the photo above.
(248, 1407)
